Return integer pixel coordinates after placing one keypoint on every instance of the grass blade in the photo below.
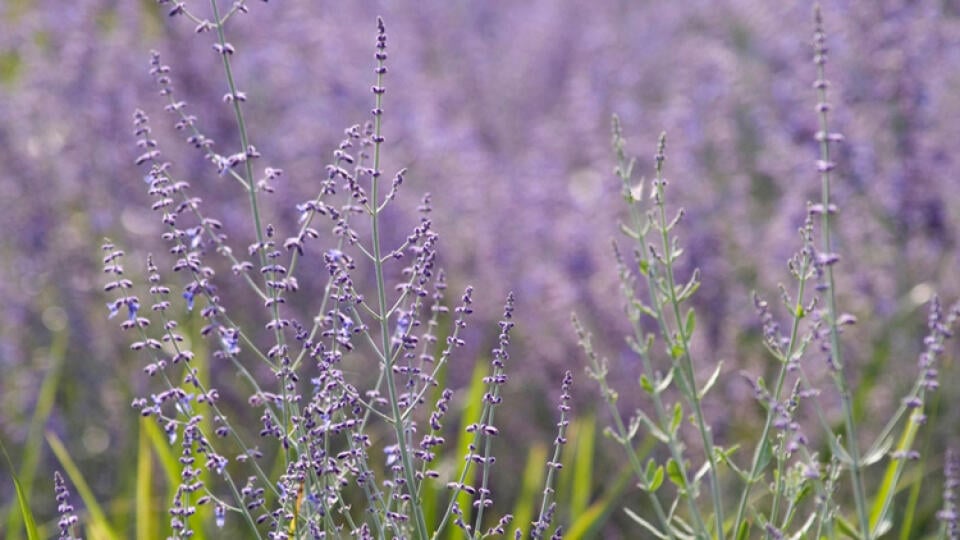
(532, 480)
(145, 518)
(472, 409)
(99, 527)
(583, 465)
(33, 448)
(26, 516)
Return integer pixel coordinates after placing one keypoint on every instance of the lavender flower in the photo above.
(68, 519)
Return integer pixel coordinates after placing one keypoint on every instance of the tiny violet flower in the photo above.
(403, 324)
(189, 295)
(222, 163)
(114, 309)
(133, 306)
(304, 211)
(393, 454)
(230, 340)
(196, 236)
(220, 515)
(183, 404)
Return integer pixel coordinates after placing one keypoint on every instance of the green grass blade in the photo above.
(145, 517)
(26, 516)
(583, 465)
(533, 475)
(168, 462)
(587, 524)
(472, 408)
(32, 450)
(891, 477)
(98, 525)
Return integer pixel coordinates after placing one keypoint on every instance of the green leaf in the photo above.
(847, 528)
(472, 409)
(701, 472)
(691, 323)
(839, 452)
(32, 449)
(891, 476)
(146, 526)
(161, 447)
(665, 383)
(654, 484)
(651, 427)
(645, 524)
(646, 384)
(711, 381)
(99, 527)
(645, 309)
(676, 351)
(644, 267)
(878, 451)
(29, 523)
(583, 465)
(744, 531)
(675, 474)
(588, 524)
(690, 287)
(533, 473)
(676, 419)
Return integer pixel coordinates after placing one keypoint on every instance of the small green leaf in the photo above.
(644, 267)
(648, 470)
(657, 480)
(800, 312)
(701, 472)
(711, 381)
(676, 351)
(690, 287)
(25, 513)
(744, 531)
(645, 524)
(665, 383)
(848, 529)
(646, 384)
(675, 475)
(634, 426)
(691, 323)
(838, 451)
(677, 418)
(878, 451)
(652, 427)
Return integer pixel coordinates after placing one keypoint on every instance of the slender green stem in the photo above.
(686, 365)
(764, 443)
(599, 373)
(399, 425)
(638, 233)
(839, 375)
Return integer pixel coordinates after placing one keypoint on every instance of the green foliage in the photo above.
(23, 504)
(98, 525)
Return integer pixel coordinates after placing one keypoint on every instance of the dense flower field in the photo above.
(342, 244)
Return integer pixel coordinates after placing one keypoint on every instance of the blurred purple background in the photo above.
(502, 111)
